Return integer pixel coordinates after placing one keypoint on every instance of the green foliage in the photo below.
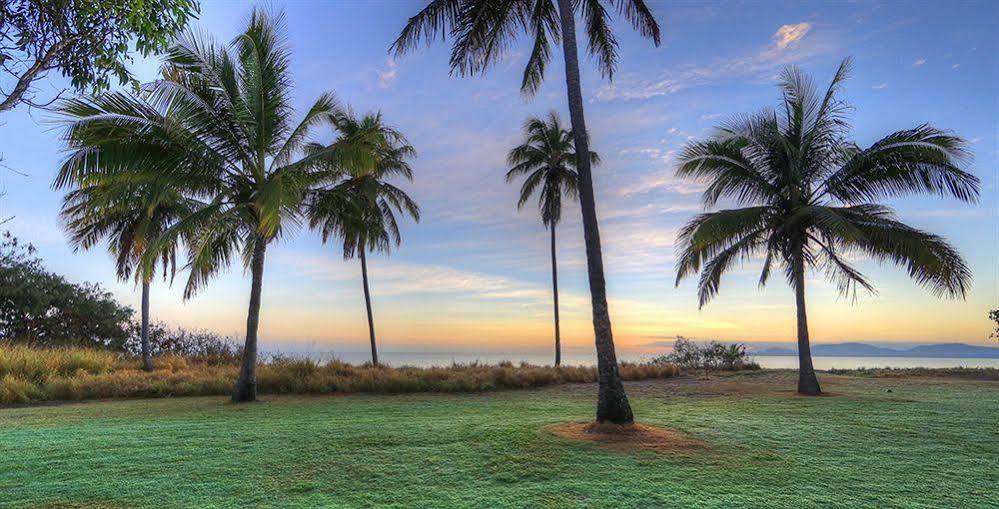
(217, 131)
(483, 32)
(41, 307)
(547, 160)
(360, 209)
(195, 344)
(88, 41)
(994, 316)
(809, 195)
(713, 355)
(925, 444)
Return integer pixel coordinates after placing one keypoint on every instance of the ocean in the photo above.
(569, 357)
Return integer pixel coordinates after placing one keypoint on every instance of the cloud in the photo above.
(397, 278)
(389, 74)
(880, 86)
(788, 34)
(786, 47)
(919, 63)
(661, 181)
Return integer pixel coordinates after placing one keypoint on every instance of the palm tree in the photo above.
(360, 209)
(130, 217)
(548, 159)
(482, 31)
(809, 197)
(218, 127)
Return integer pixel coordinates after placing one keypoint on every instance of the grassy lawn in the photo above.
(874, 443)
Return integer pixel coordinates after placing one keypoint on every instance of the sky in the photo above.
(474, 273)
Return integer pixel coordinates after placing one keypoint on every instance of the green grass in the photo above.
(927, 443)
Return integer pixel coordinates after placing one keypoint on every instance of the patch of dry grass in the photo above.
(631, 437)
(30, 375)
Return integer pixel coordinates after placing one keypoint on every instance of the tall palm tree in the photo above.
(360, 210)
(548, 160)
(130, 216)
(219, 128)
(809, 196)
(482, 32)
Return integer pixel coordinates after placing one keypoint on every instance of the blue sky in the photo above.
(474, 273)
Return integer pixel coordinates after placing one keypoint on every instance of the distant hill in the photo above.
(946, 350)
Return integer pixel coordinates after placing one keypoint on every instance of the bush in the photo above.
(195, 344)
(710, 356)
(42, 308)
(50, 374)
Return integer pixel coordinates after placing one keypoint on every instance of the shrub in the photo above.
(687, 354)
(194, 344)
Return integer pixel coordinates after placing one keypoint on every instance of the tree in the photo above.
(809, 197)
(548, 160)
(360, 209)
(218, 127)
(482, 32)
(87, 41)
(130, 216)
(994, 317)
(40, 307)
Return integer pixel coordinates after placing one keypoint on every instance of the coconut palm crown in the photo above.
(360, 210)
(130, 216)
(219, 128)
(808, 199)
(547, 161)
(482, 31)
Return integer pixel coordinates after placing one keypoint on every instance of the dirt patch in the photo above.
(631, 437)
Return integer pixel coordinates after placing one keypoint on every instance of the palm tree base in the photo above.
(245, 392)
(613, 406)
(808, 384)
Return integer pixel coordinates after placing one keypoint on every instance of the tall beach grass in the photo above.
(30, 375)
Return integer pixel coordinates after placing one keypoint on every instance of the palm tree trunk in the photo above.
(612, 402)
(807, 382)
(246, 386)
(558, 338)
(147, 354)
(367, 303)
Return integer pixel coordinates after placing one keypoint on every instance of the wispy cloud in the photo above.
(388, 74)
(788, 34)
(919, 62)
(880, 86)
(397, 278)
(787, 46)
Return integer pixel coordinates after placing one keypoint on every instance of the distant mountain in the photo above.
(946, 350)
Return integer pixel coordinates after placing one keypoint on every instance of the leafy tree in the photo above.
(809, 196)
(360, 210)
(994, 316)
(87, 41)
(40, 307)
(482, 31)
(130, 216)
(219, 128)
(547, 160)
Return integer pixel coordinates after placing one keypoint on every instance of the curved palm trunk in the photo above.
(147, 354)
(558, 339)
(246, 386)
(612, 402)
(367, 303)
(807, 382)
